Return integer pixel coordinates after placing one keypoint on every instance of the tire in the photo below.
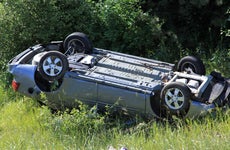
(53, 65)
(175, 100)
(79, 42)
(191, 64)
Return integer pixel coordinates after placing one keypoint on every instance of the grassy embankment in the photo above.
(25, 125)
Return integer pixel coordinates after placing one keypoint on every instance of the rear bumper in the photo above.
(24, 77)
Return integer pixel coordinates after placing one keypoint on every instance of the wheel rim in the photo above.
(189, 67)
(174, 98)
(52, 66)
(77, 45)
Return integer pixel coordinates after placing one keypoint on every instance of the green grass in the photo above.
(25, 125)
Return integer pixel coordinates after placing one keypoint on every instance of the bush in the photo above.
(121, 25)
(127, 28)
(78, 121)
(26, 23)
(220, 62)
(117, 25)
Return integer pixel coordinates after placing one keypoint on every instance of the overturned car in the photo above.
(71, 70)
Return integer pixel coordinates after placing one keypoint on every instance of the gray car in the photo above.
(71, 70)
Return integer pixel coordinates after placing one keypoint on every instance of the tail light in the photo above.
(15, 85)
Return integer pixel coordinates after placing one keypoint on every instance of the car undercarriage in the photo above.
(72, 70)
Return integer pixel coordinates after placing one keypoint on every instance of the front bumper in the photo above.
(199, 109)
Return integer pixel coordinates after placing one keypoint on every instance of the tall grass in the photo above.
(25, 125)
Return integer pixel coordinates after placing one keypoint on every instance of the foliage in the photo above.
(220, 62)
(29, 22)
(140, 27)
(25, 125)
(201, 27)
(26, 23)
(126, 28)
(83, 121)
(116, 25)
(197, 23)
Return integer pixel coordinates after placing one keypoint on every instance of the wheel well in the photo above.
(155, 101)
(45, 85)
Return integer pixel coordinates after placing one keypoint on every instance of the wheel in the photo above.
(175, 99)
(53, 65)
(79, 43)
(191, 64)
